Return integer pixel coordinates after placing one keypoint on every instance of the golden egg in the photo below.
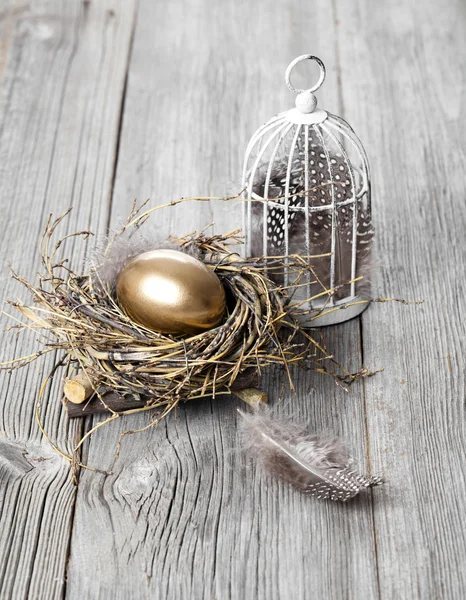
(170, 292)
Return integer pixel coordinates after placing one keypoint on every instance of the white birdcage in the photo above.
(307, 190)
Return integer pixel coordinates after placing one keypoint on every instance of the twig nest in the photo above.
(171, 292)
(112, 336)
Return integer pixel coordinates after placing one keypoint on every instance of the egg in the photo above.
(170, 292)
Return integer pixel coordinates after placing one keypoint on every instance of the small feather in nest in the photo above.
(107, 261)
(315, 465)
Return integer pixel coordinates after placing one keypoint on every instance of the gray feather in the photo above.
(315, 465)
(107, 261)
(325, 180)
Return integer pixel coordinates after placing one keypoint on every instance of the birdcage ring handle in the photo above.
(299, 59)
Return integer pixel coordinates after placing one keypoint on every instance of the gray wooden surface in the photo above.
(102, 101)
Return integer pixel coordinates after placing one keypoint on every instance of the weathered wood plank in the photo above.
(403, 63)
(62, 72)
(183, 515)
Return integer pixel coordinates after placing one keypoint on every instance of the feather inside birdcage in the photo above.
(313, 464)
(322, 179)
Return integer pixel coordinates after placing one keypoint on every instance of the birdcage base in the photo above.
(341, 311)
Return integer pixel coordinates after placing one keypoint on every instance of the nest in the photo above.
(125, 367)
(120, 367)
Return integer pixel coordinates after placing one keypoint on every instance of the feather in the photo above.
(320, 222)
(315, 465)
(107, 261)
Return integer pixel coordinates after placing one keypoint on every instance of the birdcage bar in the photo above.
(287, 201)
(253, 172)
(312, 209)
(349, 166)
(263, 129)
(342, 128)
(266, 188)
(333, 213)
(246, 206)
(307, 234)
(348, 133)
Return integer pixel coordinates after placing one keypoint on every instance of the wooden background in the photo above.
(103, 101)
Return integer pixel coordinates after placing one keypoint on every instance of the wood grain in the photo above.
(408, 108)
(184, 514)
(62, 72)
